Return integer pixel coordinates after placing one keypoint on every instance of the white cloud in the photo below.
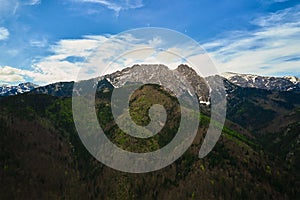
(4, 33)
(280, 17)
(117, 5)
(264, 50)
(57, 67)
(155, 41)
(9, 74)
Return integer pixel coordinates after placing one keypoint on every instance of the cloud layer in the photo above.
(271, 49)
(102, 54)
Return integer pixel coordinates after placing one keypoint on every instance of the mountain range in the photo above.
(256, 157)
(286, 83)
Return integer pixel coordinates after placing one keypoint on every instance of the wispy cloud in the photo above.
(269, 2)
(32, 2)
(38, 43)
(117, 5)
(4, 33)
(275, 39)
(9, 8)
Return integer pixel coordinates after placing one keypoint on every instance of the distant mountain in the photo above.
(14, 90)
(287, 83)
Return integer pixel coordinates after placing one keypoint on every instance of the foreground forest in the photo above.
(257, 156)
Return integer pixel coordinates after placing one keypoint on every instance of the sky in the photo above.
(45, 41)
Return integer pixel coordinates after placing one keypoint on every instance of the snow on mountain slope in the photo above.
(6, 90)
(287, 83)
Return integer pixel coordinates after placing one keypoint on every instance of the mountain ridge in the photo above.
(284, 83)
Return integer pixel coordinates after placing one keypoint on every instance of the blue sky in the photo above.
(44, 40)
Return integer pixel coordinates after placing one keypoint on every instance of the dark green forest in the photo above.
(257, 156)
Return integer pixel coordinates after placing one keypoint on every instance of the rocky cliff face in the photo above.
(198, 83)
(182, 80)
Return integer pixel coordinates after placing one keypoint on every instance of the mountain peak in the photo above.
(162, 74)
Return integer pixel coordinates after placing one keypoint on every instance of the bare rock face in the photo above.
(179, 80)
(198, 83)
